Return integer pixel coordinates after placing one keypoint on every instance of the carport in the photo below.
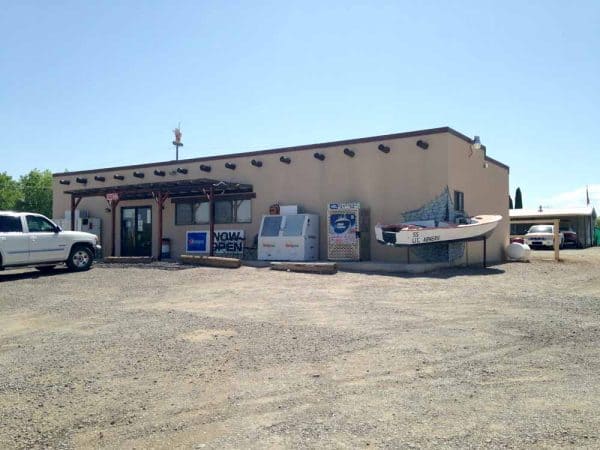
(580, 219)
(199, 189)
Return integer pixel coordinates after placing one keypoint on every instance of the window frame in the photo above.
(17, 219)
(237, 208)
(271, 226)
(294, 221)
(195, 205)
(41, 219)
(459, 201)
(218, 220)
(177, 218)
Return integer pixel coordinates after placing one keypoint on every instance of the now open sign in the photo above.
(225, 242)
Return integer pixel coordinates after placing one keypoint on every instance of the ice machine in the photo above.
(293, 237)
(347, 232)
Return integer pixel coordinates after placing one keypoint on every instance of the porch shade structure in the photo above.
(208, 189)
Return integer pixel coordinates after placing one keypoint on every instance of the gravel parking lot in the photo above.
(162, 356)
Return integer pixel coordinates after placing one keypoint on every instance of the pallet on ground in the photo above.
(211, 261)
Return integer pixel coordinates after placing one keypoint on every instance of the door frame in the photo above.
(135, 208)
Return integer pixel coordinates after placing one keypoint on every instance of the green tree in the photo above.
(10, 192)
(518, 199)
(510, 203)
(36, 192)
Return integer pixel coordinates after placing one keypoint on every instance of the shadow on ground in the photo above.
(31, 274)
(153, 265)
(441, 274)
(438, 274)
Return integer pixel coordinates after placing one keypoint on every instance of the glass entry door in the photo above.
(136, 231)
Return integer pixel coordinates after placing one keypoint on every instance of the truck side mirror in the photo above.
(57, 229)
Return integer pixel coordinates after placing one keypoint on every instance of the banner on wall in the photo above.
(342, 228)
(225, 242)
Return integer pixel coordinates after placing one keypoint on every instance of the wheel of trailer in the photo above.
(45, 269)
(81, 258)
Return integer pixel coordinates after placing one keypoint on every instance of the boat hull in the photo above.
(480, 228)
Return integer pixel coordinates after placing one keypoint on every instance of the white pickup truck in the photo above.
(28, 239)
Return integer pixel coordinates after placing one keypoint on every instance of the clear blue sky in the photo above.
(87, 84)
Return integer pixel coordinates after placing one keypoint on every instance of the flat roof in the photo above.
(551, 212)
(294, 149)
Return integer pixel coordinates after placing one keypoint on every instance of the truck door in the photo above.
(14, 244)
(45, 244)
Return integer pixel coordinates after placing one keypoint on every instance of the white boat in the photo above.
(433, 232)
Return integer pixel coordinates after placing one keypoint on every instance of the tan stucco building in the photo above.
(389, 175)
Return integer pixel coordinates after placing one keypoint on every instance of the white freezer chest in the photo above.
(293, 237)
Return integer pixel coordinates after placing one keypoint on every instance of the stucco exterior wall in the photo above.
(387, 184)
(485, 185)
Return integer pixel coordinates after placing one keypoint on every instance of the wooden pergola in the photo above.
(201, 189)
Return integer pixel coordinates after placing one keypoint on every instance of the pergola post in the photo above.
(74, 204)
(211, 228)
(113, 213)
(160, 201)
(484, 252)
(556, 239)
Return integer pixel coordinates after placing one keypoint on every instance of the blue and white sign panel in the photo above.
(225, 242)
(196, 242)
(342, 228)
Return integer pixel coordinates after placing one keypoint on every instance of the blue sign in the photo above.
(196, 242)
(342, 223)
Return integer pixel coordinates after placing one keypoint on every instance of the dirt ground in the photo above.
(168, 357)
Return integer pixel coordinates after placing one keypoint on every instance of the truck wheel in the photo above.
(45, 269)
(80, 258)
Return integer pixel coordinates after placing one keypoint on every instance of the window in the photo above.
(38, 224)
(541, 229)
(201, 212)
(10, 224)
(242, 210)
(293, 225)
(226, 211)
(459, 201)
(223, 211)
(183, 214)
(271, 226)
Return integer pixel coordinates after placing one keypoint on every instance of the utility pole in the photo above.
(177, 142)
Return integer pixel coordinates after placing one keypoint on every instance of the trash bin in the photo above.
(165, 248)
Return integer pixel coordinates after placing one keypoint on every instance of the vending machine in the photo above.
(347, 232)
